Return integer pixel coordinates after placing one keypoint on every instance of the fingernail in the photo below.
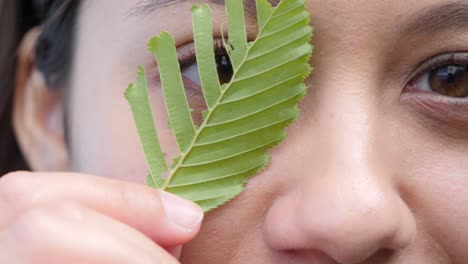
(185, 214)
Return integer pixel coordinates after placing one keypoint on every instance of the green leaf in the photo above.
(163, 48)
(264, 11)
(246, 116)
(137, 96)
(237, 33)
(203, 34)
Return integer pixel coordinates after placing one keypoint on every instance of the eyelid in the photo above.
(440, 60)
(186, 54)
(443, 115)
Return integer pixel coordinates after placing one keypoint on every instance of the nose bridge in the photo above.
(347, 126)
(351, 179)
(354, 196)
(343, 202)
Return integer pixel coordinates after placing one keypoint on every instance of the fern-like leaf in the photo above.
(245, 117)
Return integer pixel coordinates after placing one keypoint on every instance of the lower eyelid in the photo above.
(444, 108)
(193, 89)
(445, 116)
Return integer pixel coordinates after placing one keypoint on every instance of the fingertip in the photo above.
(184, 214)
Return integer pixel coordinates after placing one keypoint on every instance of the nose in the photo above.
(340, 201)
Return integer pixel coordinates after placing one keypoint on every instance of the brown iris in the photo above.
(451, 80)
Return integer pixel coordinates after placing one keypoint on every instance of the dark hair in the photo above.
(57, 19)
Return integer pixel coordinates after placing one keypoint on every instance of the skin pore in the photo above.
(374, 170)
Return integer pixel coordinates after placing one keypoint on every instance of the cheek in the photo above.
(437, 181)
(103, 136)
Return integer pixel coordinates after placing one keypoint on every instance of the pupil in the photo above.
(224, 67)
(451, 80)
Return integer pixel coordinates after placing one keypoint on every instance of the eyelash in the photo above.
(186, 53)
(459, 59)
(441, 60)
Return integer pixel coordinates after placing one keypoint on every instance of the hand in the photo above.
(74, 218)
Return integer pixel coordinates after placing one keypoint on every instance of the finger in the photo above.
(66, 232)
(165, 218)
(175, 251)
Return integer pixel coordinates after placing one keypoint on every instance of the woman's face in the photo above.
(374, 170)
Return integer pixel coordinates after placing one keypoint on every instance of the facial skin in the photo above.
(374, 170)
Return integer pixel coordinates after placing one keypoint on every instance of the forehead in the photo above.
(348, 23)
(359, 12)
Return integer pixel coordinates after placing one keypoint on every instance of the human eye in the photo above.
(189, 67)
(444, 75)
(439, 91)
(190, 77)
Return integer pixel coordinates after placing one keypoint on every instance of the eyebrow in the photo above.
(146, 7)
(451, 16)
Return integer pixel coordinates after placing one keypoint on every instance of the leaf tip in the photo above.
(141, 70)
(194, 8)
(156, 41)
(132, 87)
(129, 90)
(200, 10)
(152, 44)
